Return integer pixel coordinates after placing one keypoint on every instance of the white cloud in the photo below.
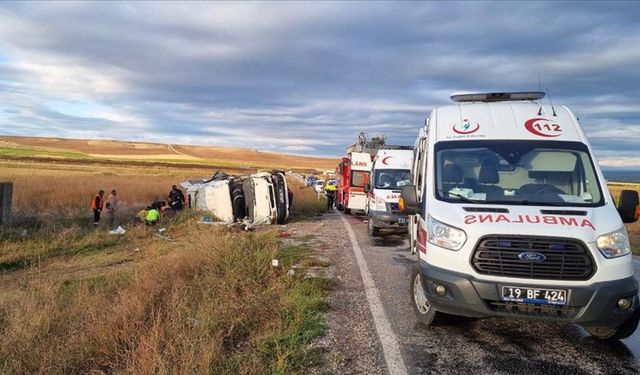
(307, 77)
(299, 148)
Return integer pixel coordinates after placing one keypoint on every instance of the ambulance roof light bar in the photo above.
(497, 96)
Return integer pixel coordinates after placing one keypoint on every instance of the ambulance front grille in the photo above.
(563, 258)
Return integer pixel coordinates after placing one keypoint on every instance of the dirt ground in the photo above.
(351, 344)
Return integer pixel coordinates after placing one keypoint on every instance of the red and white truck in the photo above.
(353, 172)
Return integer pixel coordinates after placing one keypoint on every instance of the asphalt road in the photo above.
(484, 346)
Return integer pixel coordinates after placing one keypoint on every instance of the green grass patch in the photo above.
(29, 152)
(288, 351)
(314, 262)
(38, 247)
(290, 255)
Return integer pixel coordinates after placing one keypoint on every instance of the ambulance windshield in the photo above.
(552, 173)
(391, 178)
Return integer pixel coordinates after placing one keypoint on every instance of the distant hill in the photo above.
(38, 147)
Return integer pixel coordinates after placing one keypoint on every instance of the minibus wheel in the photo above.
(371, 228)
(425, 313)
(618, 333)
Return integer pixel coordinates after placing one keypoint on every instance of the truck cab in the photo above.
(511, 217)
(390, 171)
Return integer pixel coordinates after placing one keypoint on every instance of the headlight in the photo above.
(381, 204)
(614, 244)
(444, 235)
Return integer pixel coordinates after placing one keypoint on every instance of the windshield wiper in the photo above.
(540, 203)
(462, 197)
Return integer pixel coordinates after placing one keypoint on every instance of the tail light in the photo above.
(422, 239)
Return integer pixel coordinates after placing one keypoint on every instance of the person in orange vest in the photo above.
(96, 206)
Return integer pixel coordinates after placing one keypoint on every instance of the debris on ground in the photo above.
(163, 237)
(118, 230)
(275, 262)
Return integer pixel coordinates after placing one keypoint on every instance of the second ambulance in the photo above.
(390, 171)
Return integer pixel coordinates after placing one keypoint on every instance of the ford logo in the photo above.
(532, 257)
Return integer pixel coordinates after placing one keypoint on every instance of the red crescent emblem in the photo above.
(384, 160)
(543, 127)
(472, 130)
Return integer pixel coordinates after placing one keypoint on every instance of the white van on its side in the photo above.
(512, 217)
(391, 169)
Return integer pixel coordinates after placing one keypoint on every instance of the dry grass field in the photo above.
(49, 189)
(121, 150)
(75, 299)
(207, 302)
(634, 228)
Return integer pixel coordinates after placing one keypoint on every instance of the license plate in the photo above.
(402, 220)
(535, 295)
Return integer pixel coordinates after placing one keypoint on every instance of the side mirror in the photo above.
(628, 206)
(409, 201)
(367, 188)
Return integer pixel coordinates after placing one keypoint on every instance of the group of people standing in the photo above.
(110, 206)
(151, 215)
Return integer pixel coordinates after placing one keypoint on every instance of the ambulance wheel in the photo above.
(347, 211)
(371, 228)
(618, 333)
(424, 312)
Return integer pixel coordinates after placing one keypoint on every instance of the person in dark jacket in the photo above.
(96, 206)
(176, 198)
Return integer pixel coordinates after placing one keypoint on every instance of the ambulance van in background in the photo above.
(391, 169)
(512, 217)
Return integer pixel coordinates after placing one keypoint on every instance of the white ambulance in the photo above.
(390, 171)
(512, 217)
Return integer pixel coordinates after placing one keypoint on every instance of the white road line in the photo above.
(390, 346)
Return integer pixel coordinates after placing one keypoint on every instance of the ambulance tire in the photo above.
(424, 312)
(618, 333)
(372, 229)
(347, 211)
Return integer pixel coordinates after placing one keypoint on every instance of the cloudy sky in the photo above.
(307, 77)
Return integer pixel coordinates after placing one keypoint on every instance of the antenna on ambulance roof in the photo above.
(539, 89)
(550, 102)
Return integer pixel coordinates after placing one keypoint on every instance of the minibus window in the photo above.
(527, 172)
